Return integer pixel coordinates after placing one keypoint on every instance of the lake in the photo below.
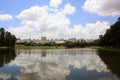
(59, 64)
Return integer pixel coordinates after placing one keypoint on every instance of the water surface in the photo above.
(59, 64)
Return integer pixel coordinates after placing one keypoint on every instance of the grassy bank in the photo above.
(63, 47)
(40, 47)
(106, 48)
(4, 47)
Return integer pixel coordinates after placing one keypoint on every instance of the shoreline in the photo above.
(40, 47)
(62, 47)
(106, 48)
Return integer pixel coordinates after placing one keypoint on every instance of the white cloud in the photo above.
(103, 7)
(5, 17)
(55, 3)
(69, 9)
(91, 30)
(54, 23)
(41, 20)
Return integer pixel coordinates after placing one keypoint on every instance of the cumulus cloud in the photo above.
(91, 30)
(55, 3)
(41, 20)
(5, 17)
(69, 9)
(54, 23)
(103, 7)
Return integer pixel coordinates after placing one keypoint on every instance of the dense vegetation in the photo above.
(78, 44)
(6, 38)
(112, 36)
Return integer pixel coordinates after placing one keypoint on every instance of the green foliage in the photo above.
(77, 44)
(40, 47)
(112, 36)
(2, 33)
(6, 38)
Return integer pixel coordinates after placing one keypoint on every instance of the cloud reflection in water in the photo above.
(54, 64)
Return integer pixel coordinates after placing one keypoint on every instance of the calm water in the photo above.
(59, 64)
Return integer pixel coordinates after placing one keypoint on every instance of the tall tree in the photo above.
(6, 38)
(2, 33)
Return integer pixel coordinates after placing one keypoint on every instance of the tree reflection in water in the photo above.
(8, 72)
(6, 55)
(112, 61)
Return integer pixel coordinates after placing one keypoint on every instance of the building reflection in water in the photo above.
(43, 53)
(30, 52)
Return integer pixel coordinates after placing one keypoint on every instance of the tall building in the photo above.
(43, 38)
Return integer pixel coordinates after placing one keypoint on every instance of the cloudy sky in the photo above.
(85, 19)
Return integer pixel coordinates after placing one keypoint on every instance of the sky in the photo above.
(58, 19)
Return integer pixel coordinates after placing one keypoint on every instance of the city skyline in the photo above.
(84, 19)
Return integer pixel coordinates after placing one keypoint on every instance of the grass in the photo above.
(106, 48)
(4, 47)
(63, 47)
(40, 47)
(94, 47)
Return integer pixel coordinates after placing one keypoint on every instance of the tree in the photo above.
(13, 40)
(112, 35)
(6, 38)
(2, 32)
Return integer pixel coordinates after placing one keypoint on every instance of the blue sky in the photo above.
(84, 13)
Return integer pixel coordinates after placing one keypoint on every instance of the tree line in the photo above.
(6, 38)
(68, 44)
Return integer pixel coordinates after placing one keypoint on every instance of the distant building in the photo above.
(23, 41)
(43, 38)
(60, 42)
(20, 42)
(72, 39)
(36, 41)
(89, 40)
